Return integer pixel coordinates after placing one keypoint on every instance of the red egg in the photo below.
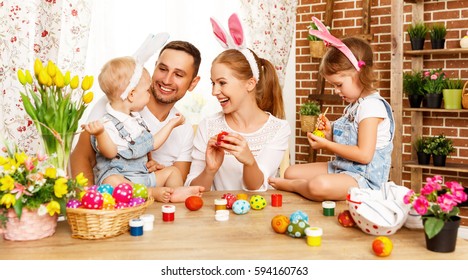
(92, 200)
(123, 193)
(193, 203)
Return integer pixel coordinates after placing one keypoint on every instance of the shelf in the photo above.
(434, 51)
(435, 110)
(449, 166)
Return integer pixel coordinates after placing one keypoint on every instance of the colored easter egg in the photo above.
(297, 228)
(140, 190)
(257, 202)
(106, 188)
(299, 215)
(109, 201)
(92, 200)
(121, 205)
(73, 203)
(241, 207)
(135, 201)
(91, 188)
(230, 198)
(123, 192)
(280, 223)
(193, 203)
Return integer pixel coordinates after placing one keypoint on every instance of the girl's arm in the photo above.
(105, 145)
(363, 152)
(161, 136)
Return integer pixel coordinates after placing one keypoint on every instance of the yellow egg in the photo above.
(318, 133)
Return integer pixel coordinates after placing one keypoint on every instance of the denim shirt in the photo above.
(345, 131)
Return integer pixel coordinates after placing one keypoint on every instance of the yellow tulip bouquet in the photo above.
(55, 102)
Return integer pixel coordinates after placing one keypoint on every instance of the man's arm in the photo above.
(83, 158)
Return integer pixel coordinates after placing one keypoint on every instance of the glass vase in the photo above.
(58, 147)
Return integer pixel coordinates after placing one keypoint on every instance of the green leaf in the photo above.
(432, 226)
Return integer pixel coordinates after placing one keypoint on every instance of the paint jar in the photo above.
(314, 236)
(328, 208)
(222, 215)
(136, 227)
(220, 204)
(168, 213)
(148, 221)
(276, 200)
(242, 196)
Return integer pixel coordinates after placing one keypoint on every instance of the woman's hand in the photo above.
(235, 144)
(214, 155)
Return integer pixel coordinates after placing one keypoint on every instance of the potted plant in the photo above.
(413, 88)
(421, 145)
(440, 147)
(417, 33)
(316, 45)
(437, 203)
(433, 84)
(438, 33)
(452, 94)
(309, 112)
(33, 193)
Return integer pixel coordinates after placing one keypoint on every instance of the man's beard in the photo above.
(161, 99)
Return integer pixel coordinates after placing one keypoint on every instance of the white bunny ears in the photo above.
(235, 41)
(329, 39)
(146, 50)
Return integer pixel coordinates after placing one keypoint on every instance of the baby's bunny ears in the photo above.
(329, 39)
(144, 52)
(235, 40)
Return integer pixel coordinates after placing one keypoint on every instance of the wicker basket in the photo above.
(99, 224)
(465, 96)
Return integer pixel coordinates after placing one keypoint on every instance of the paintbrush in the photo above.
(321, 118)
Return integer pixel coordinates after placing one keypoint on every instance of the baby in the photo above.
(122, 140)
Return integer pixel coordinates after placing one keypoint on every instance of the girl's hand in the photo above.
(236, 145)
(214, 155)
(94, 127)
(324, 125)
(316, 142)
(178, 120)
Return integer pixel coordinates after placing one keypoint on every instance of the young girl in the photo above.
(123, 141)
(248, 91)
(361, 139)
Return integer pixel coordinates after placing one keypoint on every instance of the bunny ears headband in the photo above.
(146, 50)
(329, 39)
(235, 40)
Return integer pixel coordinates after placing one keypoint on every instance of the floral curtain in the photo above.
(54, 30)
(270, 25)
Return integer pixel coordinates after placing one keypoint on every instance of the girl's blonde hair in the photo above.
(268, 93)
(115, 76)
(335, 61)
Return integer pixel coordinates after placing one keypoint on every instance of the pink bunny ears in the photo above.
(235, 40)
(329, 39)
(144, 52)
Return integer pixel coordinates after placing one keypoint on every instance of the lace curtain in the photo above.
(46, 29)
(270, 25)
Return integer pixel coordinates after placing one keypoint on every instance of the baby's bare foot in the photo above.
(181, 193)
(162, 194)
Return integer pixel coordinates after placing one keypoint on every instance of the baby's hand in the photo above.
(94, 128)
(179, 120)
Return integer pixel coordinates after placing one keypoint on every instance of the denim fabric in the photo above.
(373, 174)
(130, 163)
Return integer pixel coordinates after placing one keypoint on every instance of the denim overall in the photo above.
(345, 131)
(130, 163)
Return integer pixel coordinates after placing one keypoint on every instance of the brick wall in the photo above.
(347, 20)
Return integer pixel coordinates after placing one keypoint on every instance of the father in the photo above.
(175, 73)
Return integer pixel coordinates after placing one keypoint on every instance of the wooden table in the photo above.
(197, 235)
